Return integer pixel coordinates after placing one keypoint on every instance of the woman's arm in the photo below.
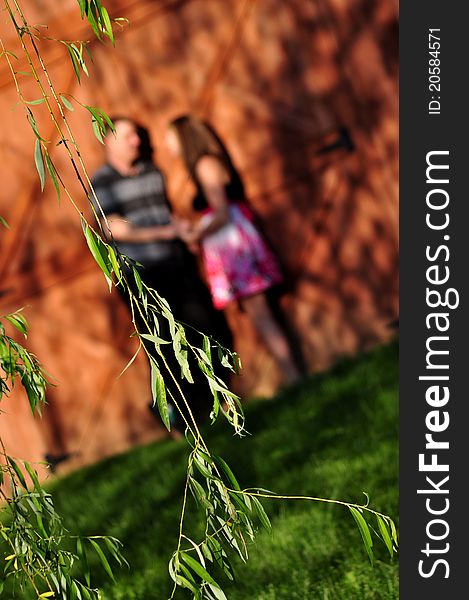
(213, 177)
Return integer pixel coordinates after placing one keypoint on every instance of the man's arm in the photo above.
(124, 231)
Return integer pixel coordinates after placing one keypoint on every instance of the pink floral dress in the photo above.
(237, 261)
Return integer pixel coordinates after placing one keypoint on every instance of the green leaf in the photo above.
(40, 524)
(52, 173)
(168, 316)
(99, 251)
(364, 531)
(32, 473)
(83, 5)
(4, 223)
(228, 472)
(107, 25)
(180, 352)
(35, 102)
(217, 592)
(204, 456)
(102, 558)
(261, 513)
(81, 60)
(78, 51)
(18, 472)
(203, 469)
(198, 569)
(185, 583)
(215, 407)
(76, 55)
(385, 534)
(206, 552)
(84, 561)
(230, 537)
(130, 362)
(99, 121)
(207, 347)
(239, 501)
(198, 550)
(66, 103)
(76, 68)
(86, 593)
(74, 591)
(114, 264)
(8, 53)
(114, 546)
(188, 582)
(393, 532)
(158, 390)
(97, 130)
(32, 122)
(221, 557)
(91, 15)
(200, 494)
(138, 281)
(18, 322)
(154, 338)
(39, 163)
(203, 355)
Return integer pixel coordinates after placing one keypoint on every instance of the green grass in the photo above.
(333, 435)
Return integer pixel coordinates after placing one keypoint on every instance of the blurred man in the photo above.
(131, 191)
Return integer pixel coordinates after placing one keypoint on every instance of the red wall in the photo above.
(277, 80)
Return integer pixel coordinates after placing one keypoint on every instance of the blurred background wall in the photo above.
(304, 94)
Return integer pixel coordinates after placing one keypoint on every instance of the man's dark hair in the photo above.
(146, 147)
(116, 118)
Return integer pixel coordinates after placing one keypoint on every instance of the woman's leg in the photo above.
(272, 335)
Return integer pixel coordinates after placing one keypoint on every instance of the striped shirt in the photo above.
(141, 200)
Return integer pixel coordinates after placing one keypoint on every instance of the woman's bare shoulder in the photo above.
(210, 169)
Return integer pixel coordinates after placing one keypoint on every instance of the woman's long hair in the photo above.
(197, 139)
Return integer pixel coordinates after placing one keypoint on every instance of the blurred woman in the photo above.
(239, 265)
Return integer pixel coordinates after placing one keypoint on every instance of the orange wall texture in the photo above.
(279, 81)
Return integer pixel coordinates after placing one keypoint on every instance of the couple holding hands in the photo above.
(238, 264)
